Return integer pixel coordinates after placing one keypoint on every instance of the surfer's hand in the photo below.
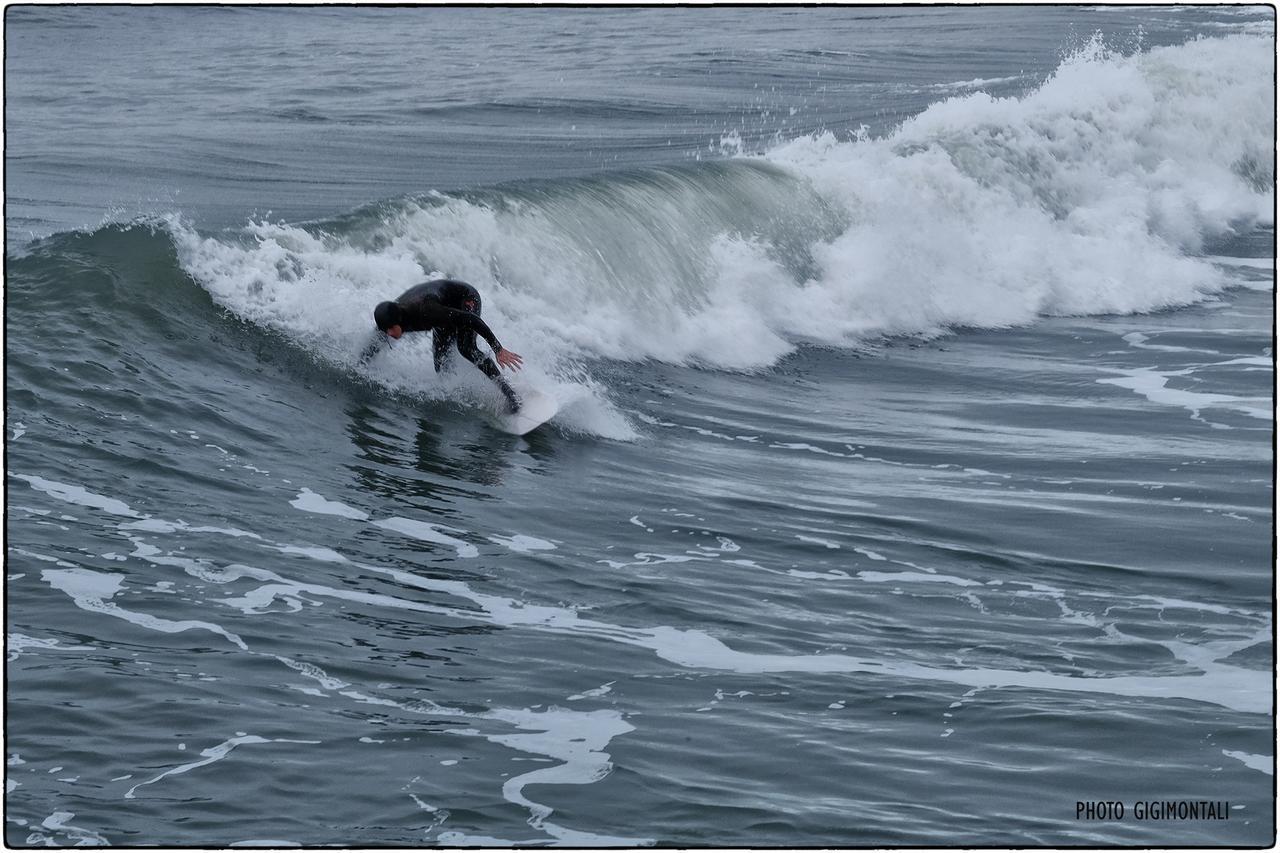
(509, 360)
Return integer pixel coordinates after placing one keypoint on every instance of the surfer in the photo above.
(450, 310)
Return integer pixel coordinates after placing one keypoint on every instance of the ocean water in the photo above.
(912, 482)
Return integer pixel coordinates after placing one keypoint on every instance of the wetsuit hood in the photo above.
(386, 315)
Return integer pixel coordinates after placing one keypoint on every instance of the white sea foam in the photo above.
(594, 693)
(1154, 385)
(648, 559)
(16, 644)
(577, 741)
(325, 555)
(78, 836)
(1228, 686)
(1138, 340)
(93, 591)
(453, 838)
(45, 558)
(77, 495)
(309, 501)
(976, 83)
(1082, 197)
(523, 544)
(574, 739)
(914, 577)
(210, 755)
(817, 540)
(1261, 763)
(265, 842)
(428, 533)
(834, 574)
(159, 525)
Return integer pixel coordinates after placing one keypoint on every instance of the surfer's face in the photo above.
(395, 331)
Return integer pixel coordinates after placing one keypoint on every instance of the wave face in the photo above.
(1091, 194)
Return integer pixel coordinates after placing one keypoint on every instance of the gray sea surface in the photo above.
(912, 479)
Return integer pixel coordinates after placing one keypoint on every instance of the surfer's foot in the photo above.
(513, 399)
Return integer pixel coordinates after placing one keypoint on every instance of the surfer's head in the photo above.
(388, 315)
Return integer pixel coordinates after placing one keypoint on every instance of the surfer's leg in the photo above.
(441, 341)
(471, 352)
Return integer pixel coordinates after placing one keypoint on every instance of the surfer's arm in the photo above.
(505, 357)
(467, 320)
(472, 322)
(377, 342)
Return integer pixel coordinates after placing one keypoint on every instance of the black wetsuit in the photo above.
(451, 311)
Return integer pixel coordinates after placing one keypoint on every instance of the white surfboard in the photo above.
(536, 409)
